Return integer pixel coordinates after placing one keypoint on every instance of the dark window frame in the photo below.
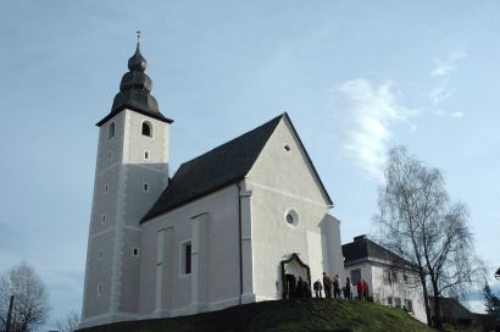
(147, 129)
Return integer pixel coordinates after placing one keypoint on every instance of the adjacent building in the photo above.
(391, 280)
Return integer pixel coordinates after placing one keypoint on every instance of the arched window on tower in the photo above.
(147, 129)
(111, 130)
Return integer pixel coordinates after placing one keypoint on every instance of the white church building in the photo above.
(231, 226)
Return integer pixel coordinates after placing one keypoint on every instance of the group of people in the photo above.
(331, 288)
(299, 288)
(296, 288)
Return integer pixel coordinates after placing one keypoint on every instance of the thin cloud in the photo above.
(445, 67)
(368, 114)
(441, 92)
(442, 72)
(457, 114)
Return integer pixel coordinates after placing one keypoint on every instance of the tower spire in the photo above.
(137, 61)
(135, 89)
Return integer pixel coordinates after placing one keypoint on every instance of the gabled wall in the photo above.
(280, 181)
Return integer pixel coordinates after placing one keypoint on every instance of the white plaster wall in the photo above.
(100, 271)
(119, 195)
(101, 231)
(373, 273)
(215, 280)
(333, 260)
(279, 181)
(135, 201)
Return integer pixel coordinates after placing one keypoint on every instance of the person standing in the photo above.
(327, 286)
(307, 290)
(300, 288)
(367, 292)
(347, 288)
(317, 288)
(361, 289)
(336, 287)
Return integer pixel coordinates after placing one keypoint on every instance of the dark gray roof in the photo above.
(218, 168)
(451, 309)
(135, 91)
(214, 170)
(362, 248)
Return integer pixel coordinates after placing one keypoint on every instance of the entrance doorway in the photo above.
(295, 278)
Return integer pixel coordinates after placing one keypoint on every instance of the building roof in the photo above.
(218, 168)
(214, 170)
(362, 248)
(451, 309)
(135, 91)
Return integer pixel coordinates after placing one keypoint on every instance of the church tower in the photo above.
(131, 173)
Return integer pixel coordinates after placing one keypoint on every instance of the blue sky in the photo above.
(357, 77)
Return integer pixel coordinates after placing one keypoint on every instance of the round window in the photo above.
(292, 218)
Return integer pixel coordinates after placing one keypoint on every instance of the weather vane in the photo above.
(138, 35)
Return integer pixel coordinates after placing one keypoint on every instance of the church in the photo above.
(232, 226)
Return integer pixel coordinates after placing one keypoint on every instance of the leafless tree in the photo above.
(421, 224)
(69, 323)
(31, 307)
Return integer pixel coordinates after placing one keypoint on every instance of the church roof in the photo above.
(362, 248)
(218, 168)
(135, 91)
(213, 170)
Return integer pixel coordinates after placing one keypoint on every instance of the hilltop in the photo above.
(311, 315)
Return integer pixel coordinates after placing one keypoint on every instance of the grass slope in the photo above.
(312, 315)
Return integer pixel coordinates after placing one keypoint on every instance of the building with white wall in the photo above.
(229, 227)
(391, 280)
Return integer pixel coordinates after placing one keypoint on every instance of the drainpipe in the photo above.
(240, 249)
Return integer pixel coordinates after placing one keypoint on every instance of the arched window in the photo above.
(111, 130)
(147, 129)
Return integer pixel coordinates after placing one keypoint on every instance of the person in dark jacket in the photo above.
(347, 288)
(317, 288)
(300, 288)
(307, 290)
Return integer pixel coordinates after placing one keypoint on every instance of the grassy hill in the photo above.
(312, 315)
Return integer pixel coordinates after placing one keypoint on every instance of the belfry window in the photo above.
(111, 130)
(147, 129)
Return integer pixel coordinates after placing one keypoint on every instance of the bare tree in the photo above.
(420, 223)
(69, 323)
(31, 307)
(491, 301)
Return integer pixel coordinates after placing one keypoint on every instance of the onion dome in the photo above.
(135, 91)
(137, 61)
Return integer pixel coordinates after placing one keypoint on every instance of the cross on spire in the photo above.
(138, 32)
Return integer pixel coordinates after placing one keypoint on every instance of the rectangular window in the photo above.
(409, 305)
(355, 276)
(394, 277)
(397, 302)
(186, 258)
(387, 277)
(389, 300)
